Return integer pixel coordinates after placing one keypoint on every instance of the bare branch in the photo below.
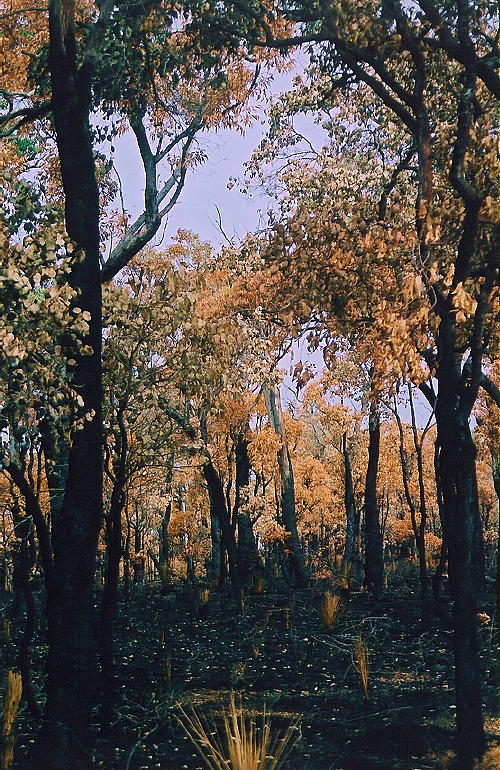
(148, 223)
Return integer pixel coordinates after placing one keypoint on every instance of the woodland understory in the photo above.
(280, 653)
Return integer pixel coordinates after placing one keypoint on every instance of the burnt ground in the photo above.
(287, 660)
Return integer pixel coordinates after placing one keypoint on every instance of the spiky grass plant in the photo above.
(361, 663)
(241, 743)
(11, 702)
(329, 608)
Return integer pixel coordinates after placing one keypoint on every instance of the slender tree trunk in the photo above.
(418, 527)
(352, 513)
(108, 609)
(113, 557)
(374, 551)
(287, 501)
(219, 508)
(126, 555)
(23, 562)
(216, 542)
(437, 580)
(164, 550)
(495, 460)
(247, 549)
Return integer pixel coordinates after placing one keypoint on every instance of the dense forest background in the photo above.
(260, 473)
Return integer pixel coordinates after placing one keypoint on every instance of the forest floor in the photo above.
(284, 658)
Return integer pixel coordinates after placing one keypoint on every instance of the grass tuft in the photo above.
(242, 743)
(361, 664)
(11, 702)
(329, 608)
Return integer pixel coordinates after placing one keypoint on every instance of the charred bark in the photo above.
(374, 551)
(248, 557)
(287, 497)
(218, 507)
(352, 513)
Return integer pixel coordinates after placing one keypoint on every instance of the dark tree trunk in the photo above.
(248, 557)
(495, 459)
(218, 507)
(437, 579)
(71, 671)
(164, 550)
(457, 473)
(418, 527)
(216, 574)
(287, 501)
(352, 513)
(23, 562)
(374, 551)
(113, 557)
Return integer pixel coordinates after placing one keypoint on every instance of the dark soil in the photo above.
(286, 660)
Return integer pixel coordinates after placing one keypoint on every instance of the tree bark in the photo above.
(418, 527)
(218, 507)
(23, 562)
(65, 738)
(287, 498)
(352, 513)
(113, 557)
(248, 557)
(457, 472)
(374, 551)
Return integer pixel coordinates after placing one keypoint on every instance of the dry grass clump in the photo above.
(329, 608)
(345, 577)
(361, 663)
(11, 702)
(490, 761)
(241, 743)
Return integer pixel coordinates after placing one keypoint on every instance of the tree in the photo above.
(287, 492)
(87, 59)
(394, 54)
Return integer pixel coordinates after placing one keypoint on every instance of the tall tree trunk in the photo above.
(113, 557)
(216, 555)
(247, 549)
(287, 502)
(71, 672)
(164, 550)
(457, 472)
(23, 562)
(418, 527)
(495, 460)
(374, 551)
(218, 507)
(351, 511)
(437, 579)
